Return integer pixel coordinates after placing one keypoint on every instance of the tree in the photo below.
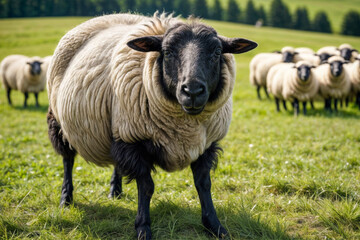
(321, 23)
(301, 19)
(217, 11)
(182, 7)
(262, 15)
(251, 15)
(279, 14)
(351, 24)
(200, 8)
(233, 12)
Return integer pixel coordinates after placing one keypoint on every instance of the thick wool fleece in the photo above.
(16, 74)
(100, 89)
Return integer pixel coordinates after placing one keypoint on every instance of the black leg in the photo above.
(145, 186)
(346, 101)
(258, 92)
(277, 104)
(341, 103)
(312, 104)
(115, 185)
(284, 104)
(37, 99)
(67, 187)
(358, 99)
(336, 104)
(266, 92)
(8, 91)
(296, 107)
(304, 107)
(328, 104)
(201, 171)
(26, 95)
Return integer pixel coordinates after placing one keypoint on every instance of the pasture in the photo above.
(280, 177)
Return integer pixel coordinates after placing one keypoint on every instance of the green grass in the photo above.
(280, 177)
(335, 9)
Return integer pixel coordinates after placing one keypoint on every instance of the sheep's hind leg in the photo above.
(312, 104)
(284, 104)
(201, 172)
(258, 92)
(26, 96)
(8, 91)
(304, 107)
(266, 92)
(277, 104)
(336, 104)
(68, 154)
(37, 99)
(296, 107)
(115, 184)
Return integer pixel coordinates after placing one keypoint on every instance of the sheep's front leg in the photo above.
(296, 107)
(266, 92)
(37, 99)
(67, 187)
(145, 186)
(312, 104)
(277, 104)
(258, 92)
(8, 95)
(336, 104)
(201, 171)
(304, 107)
(26, 96)
(115, 185)
(284, 104)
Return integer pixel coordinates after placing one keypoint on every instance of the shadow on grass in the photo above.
(33, 108)
(320, 112)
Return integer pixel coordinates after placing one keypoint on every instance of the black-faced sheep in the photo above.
(22, 73)
(325, 53)
(348, 52)
(261, 64)
(334, 81)
(136, 92)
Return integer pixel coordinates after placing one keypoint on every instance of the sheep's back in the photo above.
(9, 68)
(264, 66)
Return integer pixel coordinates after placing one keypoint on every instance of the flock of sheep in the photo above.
(26, 74)
(301, 75)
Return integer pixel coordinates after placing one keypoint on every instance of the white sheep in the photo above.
(135, 92)
(354, 73)
(261, 64)
(348, 52)
(22, 73)
(334, 81)
(275, 83)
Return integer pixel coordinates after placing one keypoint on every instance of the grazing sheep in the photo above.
(334, 81)
(136, 92)
(22, 73)
(300, 85)
(325, 53)
(348, 52)
(354, 73)
(261, 64)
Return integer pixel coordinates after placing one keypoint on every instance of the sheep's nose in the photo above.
(193, 91)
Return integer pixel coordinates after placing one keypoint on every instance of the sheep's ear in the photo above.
(236, 45)
(313, 67)
(296, 53)
(146, 44)
(28, 63)
(354, 50)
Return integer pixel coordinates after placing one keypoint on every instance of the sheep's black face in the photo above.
(304, 72)
(35, 67)
(323, 57)
(191, 59)
(336, 68)
(346, 53)
(288, 57)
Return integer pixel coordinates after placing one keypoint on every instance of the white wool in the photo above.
(354, 73)
(254, 64)
(275, 79)
(309, 57)
(332, 50)
(100, 89)
(288, 49)
(16, 74)
(304, 50)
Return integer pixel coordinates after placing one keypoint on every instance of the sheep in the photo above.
(135, 92)
(261, 64)
(309, 57)
(304, 50)
(325, 53)
(300, 84)
(354, 73)
(275, 85)
(22, 73)
(348, 52)
(334, 81)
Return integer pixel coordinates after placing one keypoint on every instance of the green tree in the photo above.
(182, 7)
(321, 23)
(200, 8)
(351, 24)
(251, 15)
(262, 15)
(233, 12)
(301, 19)
(279, 14)
(217, 11)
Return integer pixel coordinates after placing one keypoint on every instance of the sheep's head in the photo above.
(288, 54)
(336, 65)
(303, 70)
(191, 56)
(346, 53)
(35, 67)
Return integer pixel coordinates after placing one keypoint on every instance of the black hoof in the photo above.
(143, 233)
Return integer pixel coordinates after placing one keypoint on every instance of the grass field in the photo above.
(280, 177)
(335, 9)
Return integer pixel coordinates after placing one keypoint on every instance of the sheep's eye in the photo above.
(167, 54)
(216, 54)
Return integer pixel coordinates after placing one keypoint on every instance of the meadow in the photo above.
(280, 177)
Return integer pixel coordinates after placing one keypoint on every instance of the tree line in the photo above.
(277, 16)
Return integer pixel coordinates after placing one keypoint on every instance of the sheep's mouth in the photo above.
(193, 110)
